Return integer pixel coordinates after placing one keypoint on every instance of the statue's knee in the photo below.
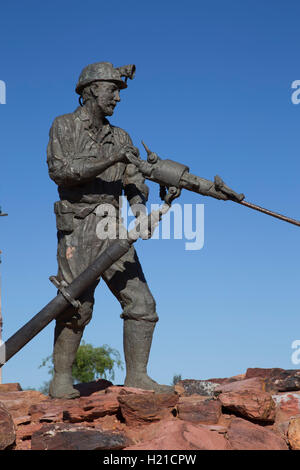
(77, 319)
(142, 307)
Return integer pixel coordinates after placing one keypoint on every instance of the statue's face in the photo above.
(107, 96)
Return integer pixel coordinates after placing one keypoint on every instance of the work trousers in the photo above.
(77, 249)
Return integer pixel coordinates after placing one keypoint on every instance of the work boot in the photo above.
(66, 343)
(137, 343)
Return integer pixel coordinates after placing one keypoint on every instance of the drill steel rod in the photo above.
(271, 213)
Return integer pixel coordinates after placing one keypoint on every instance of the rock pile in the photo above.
(259, 410)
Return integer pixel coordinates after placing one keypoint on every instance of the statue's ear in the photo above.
(94, 90)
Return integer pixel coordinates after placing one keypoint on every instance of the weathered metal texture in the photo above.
(170, 173)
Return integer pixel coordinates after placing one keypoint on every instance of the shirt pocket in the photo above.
(64, 216)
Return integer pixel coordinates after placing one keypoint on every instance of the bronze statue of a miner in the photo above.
(93, 164)
(86, 157)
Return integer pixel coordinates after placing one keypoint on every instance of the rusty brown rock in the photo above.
(251, 385)
(49, 410)
(257, 406)
(25, 431)
(198, 410)
(66, 436)
(294, 433)
(277, 380)
(286, 381)
(18, 403)
(244, 435)
(22, 420)
(175, 434)
(10, 387)
(96, 406)
(109, 423)
(261, 372)
(228, 380)
(81, 409)
(7, 429)
(138, 409)
(189, 387)
(287, 406)
(23, 445)
(136, 391)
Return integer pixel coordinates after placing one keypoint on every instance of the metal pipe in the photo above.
(57, 305)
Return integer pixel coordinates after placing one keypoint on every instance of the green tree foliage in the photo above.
(90, 363)
(94, 363)
(176, 379)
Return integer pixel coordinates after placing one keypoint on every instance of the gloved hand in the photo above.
(127, 154)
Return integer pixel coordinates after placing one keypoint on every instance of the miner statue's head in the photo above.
(101, 83)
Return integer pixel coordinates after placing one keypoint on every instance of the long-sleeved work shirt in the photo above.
(74, 148)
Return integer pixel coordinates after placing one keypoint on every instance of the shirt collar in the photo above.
(100, 136)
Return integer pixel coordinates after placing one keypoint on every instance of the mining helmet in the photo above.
(104, 71)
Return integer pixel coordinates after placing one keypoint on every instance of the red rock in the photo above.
(18, 403)
(75, 411)
(136, 391)
(23, 445)
(252, 385)
(10, 387)
(244, 435)
(189, 387)
(49, 410)
(286, 381)
(215, 427)
(109, 423)
(287, 406)
(260, 372)
(179, 435)
(96, 406)
(294, 433)
(220, 381)
(140, 409)
(65, 436)
(225, 420)
(198, 410)
(25, 431)
(258, 406)
(7, 429)
(239, 377)
(228, 380)
(22, 420)
(277, 380)
(281, 427)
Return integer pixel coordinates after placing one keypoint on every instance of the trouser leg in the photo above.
(137, 344)
(66, 343)
(67, 336)
(127, 282)
(75, 252)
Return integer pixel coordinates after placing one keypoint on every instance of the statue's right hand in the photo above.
(127, 154)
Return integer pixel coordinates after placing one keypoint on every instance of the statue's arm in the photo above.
(134, 185)
(66, 167)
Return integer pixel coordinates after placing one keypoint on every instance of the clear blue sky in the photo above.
(212, 90)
